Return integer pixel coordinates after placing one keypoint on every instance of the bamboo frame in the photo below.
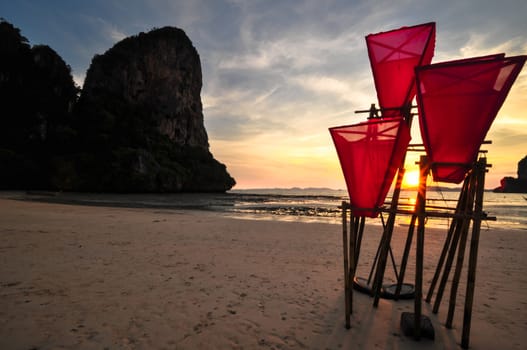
(447, 243)
(388, 229)
(473, 254)
(469, 209)
(357, 225)
(351, 248)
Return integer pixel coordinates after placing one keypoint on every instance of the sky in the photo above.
(278, 73)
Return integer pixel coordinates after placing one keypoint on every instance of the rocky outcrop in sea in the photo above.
(510, 184)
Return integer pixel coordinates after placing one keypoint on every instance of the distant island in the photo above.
(510, 184)
(136, 125)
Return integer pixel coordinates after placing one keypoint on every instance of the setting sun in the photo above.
(411, 178)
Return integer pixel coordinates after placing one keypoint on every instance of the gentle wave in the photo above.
(310, 205)
(510, 210)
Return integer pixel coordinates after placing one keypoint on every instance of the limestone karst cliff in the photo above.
(136, 127)
(141, 107)
(37, 95)
(159, 73)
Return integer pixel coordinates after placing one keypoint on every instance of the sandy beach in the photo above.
(82, 277)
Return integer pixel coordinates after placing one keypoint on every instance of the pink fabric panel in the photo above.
(370, 154)
(458, 101)
(393, 57)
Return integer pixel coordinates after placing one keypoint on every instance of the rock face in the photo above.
(37, 95)
(522, 169)
(515, 185)
(136, 127)
(158, 73)
(141, 109)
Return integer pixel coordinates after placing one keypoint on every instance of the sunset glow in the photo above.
(411, 179)
(277, 76)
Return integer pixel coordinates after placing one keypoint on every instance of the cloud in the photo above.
(79, 79)
(277, 74)
(105, 32)
(356, 91)
(480, 44)
(115, 34)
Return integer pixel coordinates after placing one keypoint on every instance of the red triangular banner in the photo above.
(393, 57)
(369, 154)
(458, 101)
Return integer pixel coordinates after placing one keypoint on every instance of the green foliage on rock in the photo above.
(137, 126)
(37, 94)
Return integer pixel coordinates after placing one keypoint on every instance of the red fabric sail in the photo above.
(393, 57)
(458, 101)
(369, 154)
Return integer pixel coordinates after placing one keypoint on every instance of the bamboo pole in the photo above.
(346, 268)
(387, 238)
(430, 214)
(473, 255)
(451, 254)
(461, 250)
(374, 263)
(420, 211)
(393, 263)
(406, 112)
(352, 241)
(448, 242)
(378, 275)
(359, 240)
(404, 259)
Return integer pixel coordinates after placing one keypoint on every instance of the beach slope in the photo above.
(82, 277)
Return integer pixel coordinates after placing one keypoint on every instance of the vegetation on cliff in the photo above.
(37, 93)
(137, 125)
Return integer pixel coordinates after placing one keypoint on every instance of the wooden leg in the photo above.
(448, 267)
(457, 274)
(346, 265)
(448, 241)
(394, 265)
(461, 210)
(471, 282)
(419, 277)
(381, 266)
(404, 259)
(461, 249)
(419, 254)
(353, 240)
(374, 265)
(473, 257)
(387, 238)
(359, 240)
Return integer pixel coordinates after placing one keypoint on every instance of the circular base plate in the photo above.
(361, 284)
(407, 291)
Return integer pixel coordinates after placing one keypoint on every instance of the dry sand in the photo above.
(80, 277)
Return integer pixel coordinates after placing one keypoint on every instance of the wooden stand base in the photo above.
(407, 326)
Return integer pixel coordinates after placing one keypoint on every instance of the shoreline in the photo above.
(101, 277)
(298, 207)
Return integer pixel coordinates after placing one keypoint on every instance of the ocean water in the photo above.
(293, 204)
(508, 209)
